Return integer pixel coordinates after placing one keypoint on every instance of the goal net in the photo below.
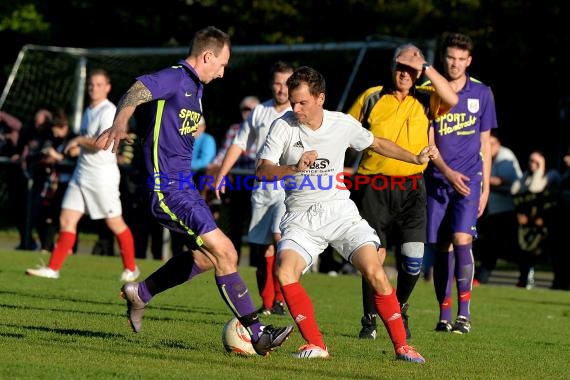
(48, 76)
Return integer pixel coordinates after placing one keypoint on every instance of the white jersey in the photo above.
(252, 132)
(322, 182)
(101, 165)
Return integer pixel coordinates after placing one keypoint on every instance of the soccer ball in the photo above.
(236, 339)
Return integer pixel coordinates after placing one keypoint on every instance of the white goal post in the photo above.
(55, 76)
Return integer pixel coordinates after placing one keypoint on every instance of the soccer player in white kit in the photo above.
(305, 148)
(94, 186)
(266, 201)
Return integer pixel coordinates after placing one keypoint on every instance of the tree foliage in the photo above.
(23, 19)
(520, 45)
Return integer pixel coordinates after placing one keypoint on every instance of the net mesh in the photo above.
(47, 76)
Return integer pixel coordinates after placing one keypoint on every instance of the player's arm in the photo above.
(243, 140)
(11, 121)
(232, 155)
(390, 149)
(137, 94)
(455, 178)
(267, 170)
(441, 86)
(81, 141)
(448, 97)
(486, 185)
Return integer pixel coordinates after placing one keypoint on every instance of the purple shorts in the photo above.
(449, 212)
(183, 211)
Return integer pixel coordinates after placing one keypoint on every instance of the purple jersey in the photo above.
(169, 141)
(457, 133)
(168, 144)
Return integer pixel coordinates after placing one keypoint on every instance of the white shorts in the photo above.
(265, 220)
(338, 223)
(99, 201)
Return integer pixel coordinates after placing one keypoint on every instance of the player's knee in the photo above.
(412, 266)
(412, 257)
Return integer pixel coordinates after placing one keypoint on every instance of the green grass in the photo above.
(75, 327)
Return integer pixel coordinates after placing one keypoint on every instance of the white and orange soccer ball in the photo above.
(236, 339)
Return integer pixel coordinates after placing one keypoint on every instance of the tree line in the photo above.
(521, 47)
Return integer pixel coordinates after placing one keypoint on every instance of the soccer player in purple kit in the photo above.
(174, 96)
(457, 182)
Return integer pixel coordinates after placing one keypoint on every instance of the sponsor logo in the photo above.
(394, 317)
(298, 144)
(300, 318)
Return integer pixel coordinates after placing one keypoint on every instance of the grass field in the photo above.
(75, 328)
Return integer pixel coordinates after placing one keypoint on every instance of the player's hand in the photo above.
(307, 159)
(219, 188)
(72, 145)
(113, 135)
(459, 182)
(428, 153)
(414, 61)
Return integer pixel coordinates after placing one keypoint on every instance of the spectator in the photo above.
(535, 196)
(10, 127)
(94, 187)
(204, 149)
(14, 178)
(58, 168)
(31, 180)
(495, 242)
(32, 135)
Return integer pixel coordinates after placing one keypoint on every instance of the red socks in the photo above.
(302, 311)
(267, 293)
(389, 311)
(63, 247)
(127, 247)
(66, 240)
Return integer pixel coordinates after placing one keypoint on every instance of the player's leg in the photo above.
(293, 261)
(358, 243)
(438, 236)
(278, 306)
(443, 275)
(126, 242)
(234, 291)
(180, 268)
(264, 275)
(375, 208)
(411, 225)
(463, 225)
(103, 201)
(367, 260)
(261, 239)
(72, 209)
